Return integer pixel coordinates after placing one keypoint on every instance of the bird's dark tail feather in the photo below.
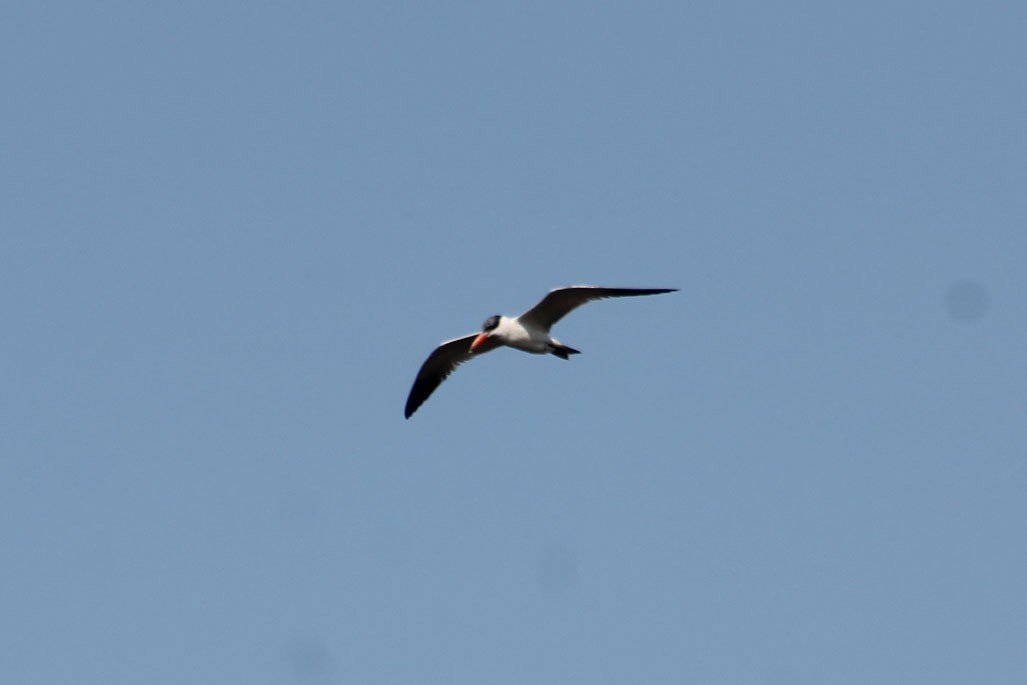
(563, 352)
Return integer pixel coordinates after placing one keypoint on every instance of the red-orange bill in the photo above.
(479, 340)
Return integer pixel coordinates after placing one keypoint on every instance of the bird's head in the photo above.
(486, 328)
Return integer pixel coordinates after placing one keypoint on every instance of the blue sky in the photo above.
(231, 232)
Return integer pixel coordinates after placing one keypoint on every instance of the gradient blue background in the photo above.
(230, 232)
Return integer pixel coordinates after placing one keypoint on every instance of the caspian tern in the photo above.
(528, 332)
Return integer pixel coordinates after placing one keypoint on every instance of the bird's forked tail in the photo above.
(562, 351)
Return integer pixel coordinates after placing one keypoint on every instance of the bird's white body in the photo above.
(512, 332)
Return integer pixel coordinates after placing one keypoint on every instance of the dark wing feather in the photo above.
(439, 364)
(561, 301)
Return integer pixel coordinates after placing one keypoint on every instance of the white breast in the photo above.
(515, 334)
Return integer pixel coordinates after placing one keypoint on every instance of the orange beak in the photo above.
(482, 337)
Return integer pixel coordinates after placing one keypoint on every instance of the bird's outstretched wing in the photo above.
(442, 362)
(561, 301)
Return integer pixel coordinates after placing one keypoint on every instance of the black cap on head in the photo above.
(490, 323)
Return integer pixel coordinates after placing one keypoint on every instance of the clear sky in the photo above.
(230, 232)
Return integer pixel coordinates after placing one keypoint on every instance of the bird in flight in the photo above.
(528, 332)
